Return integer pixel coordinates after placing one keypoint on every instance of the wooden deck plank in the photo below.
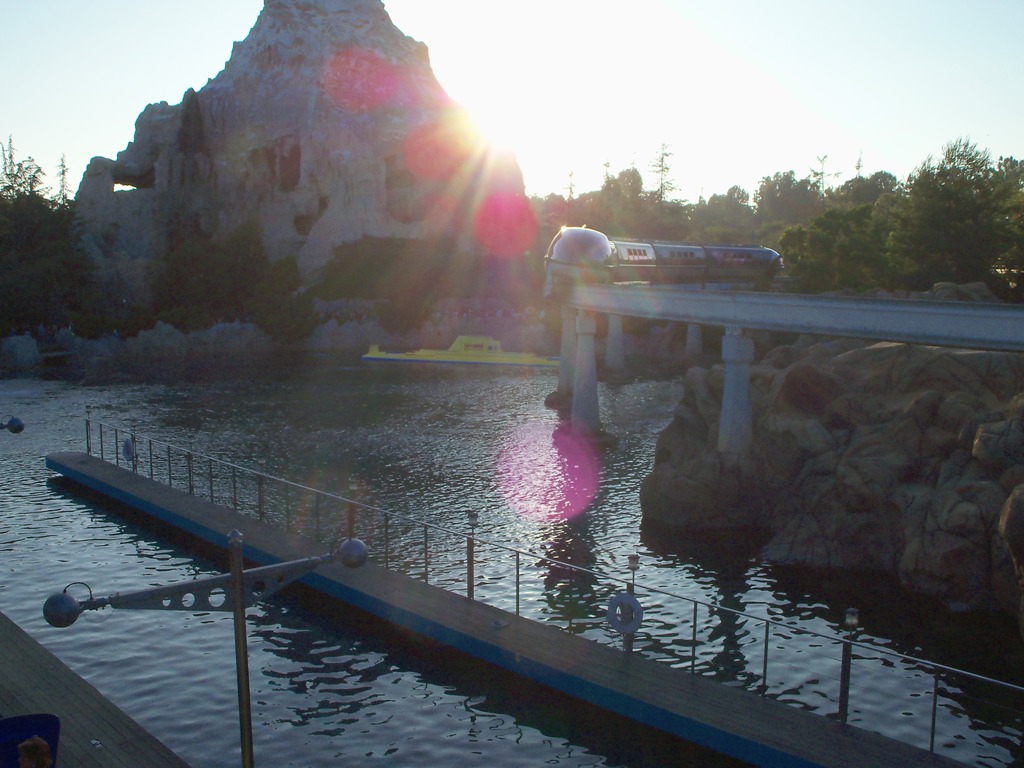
(728, 720)
(93, 732)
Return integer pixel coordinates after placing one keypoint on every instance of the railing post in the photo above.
(470, 554)
(935, 708)
(241, 646)
(693, 654)
(259, 495)
(517, 582)
(634, 566)
(88, 429)
(572, 583)
(844, 681)
(764, 658)
(852, 616)
(117, 453)
(426, 557)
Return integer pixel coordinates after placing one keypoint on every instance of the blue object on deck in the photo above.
(14, 730)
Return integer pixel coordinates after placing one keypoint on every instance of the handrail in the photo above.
(472, 541)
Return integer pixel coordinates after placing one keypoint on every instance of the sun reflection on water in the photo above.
(547, 475)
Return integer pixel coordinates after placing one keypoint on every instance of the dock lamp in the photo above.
(233, 591)
(12, 424)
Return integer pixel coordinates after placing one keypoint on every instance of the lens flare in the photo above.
(505, 223)
(359, 80)
(437, 150)
(545, 476)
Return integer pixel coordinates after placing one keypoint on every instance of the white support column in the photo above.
(585, 416)
(614, 353)
(735, 423)
(567, 354)
(694, 341)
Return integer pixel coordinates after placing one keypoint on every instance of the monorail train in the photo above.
(581, 254)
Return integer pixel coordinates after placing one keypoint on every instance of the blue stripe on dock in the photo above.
(730, 721)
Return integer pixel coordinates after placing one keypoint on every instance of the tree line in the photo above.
(956, 218)
(47, 279)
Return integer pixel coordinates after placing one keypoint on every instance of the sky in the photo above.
(735, 90)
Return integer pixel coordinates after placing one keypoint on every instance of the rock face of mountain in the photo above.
(326, 125)
(893, 458)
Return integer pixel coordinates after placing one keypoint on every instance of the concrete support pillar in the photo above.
(694, 341)
(614, 353)
(567, 355)
(585, 416)
(735, 424)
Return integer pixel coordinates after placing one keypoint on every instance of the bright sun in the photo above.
(502, 126)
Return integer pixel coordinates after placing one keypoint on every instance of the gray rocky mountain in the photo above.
(326, 125)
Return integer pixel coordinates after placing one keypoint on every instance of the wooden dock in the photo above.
(93, 732)
(696, 713)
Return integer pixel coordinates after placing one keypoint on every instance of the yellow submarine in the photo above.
(471, 350)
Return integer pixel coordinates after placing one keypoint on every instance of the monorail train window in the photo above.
(635, 254)
(683, 255)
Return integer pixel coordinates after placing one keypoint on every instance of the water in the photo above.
(435, 443)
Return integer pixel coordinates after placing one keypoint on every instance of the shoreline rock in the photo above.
(889, 458)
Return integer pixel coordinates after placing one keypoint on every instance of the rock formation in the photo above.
(326, 125)
(892, 458)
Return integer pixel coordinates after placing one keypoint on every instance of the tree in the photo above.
(19, 177)
(622, 199)
(44, 276)
(783, 200)
(63, 188)
(1009, 266)
(820, 179)
(725, 218)
(839, 249)
(954, 223)
(864, 191)
(661, 170)
(201, 282)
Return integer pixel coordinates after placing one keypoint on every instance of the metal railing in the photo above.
(415, 546)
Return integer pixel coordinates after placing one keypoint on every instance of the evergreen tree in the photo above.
(19, 177)
(44, 277)
(662, 170)
(954, 223)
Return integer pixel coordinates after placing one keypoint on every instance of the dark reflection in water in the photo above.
(354, 668)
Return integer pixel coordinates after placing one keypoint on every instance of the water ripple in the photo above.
(432, 445)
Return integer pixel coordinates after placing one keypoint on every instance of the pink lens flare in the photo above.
(359, 80)
(437, 150)
(505, 224)
(548, 476)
